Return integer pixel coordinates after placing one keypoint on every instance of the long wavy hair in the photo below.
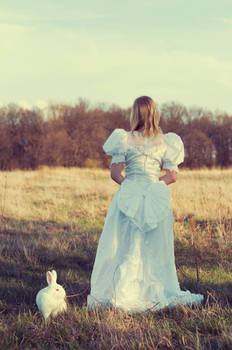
(144, 115)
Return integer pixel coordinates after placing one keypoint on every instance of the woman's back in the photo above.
(144, 157)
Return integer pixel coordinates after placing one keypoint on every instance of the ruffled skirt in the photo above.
(134, 268)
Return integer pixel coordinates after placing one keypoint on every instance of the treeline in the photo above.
(73, 135)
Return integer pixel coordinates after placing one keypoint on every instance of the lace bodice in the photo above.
(144, 157)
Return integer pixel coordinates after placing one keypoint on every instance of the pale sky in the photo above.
(114, 51)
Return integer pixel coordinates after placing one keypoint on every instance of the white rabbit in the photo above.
(51, 300)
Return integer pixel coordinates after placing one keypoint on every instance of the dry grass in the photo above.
(57, 194)
(204, 193)
(52, 218)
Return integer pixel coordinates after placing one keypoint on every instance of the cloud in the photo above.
(48, 14)
(24, 104)
(226, 20)
(41, 104)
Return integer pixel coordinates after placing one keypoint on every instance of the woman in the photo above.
(134, 268)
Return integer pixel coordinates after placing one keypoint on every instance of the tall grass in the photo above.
(52, 219)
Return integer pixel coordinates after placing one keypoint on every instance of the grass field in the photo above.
(52, 219)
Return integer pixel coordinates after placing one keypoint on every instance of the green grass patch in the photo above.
(30, 248)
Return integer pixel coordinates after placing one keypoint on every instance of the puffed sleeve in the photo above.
(115, 146)
(174, 154)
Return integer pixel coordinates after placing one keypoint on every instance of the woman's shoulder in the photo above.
(120, 131)
(172, 139)
(117, 134)
(174, 154)
(116, 141)
(171, 136)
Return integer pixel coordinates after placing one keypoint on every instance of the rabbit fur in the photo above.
(51, 299)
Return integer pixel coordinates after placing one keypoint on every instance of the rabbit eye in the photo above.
(57, 289)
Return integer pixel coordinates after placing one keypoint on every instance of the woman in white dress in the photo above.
(134, 268)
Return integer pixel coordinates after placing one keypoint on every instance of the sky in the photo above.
(111, 52)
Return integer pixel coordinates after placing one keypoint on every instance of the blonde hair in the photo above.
(144, 114)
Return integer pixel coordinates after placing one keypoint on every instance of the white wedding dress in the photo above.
(134, 268)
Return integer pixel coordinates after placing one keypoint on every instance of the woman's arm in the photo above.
(169, 177)
(116, 169)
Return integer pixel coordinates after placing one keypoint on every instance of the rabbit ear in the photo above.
(54, 275)
(49, 278)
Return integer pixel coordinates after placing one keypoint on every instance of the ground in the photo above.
(52, 219)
